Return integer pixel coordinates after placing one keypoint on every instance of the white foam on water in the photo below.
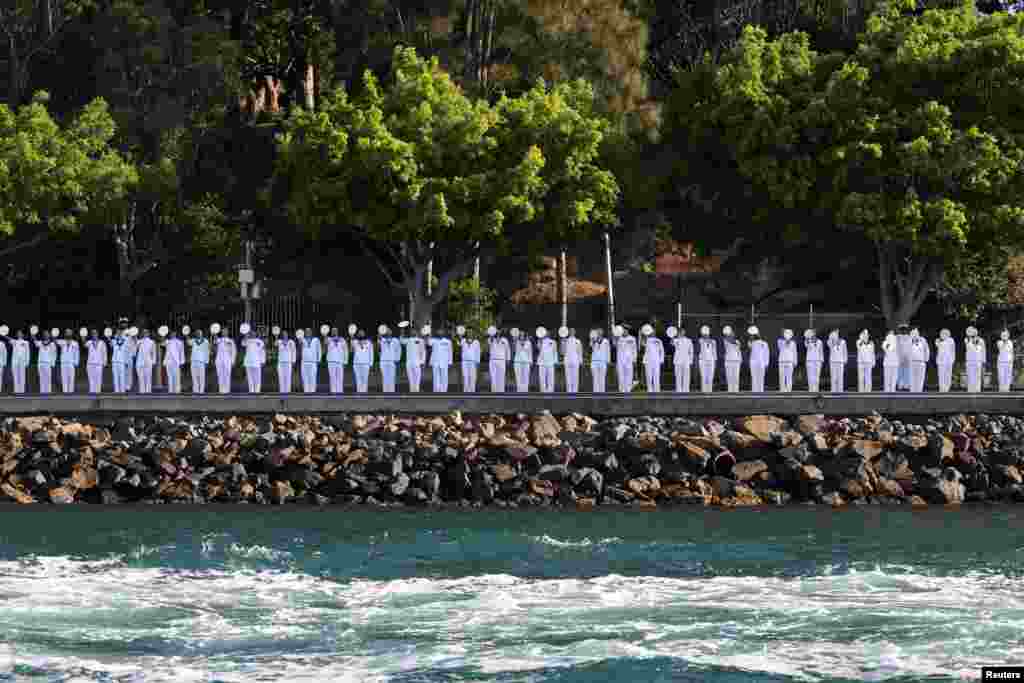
(241, 625)
(582, 543)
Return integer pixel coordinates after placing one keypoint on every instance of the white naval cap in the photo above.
(727, 330)
(492, 330)
(672, 332)
(541, 333)
(705, 330)
(864, 334)
(382, 330)
(808, 334)
(34, 329)
(55, 332)
(275, 330)
(944, 333)
(83, 333)
(788, 334)
(618, 330)
(214, 328)
(972, 331)
(647, 329)
(404, 324)
(563, 331)
(593, 334)
(425, 330)
(4, 330)
(244, 328)
(300, 333)
(752, 330)
(133, 331)
(1004, 335)
(108, 333)
(163, 330)
(460, 330)
(186, 329)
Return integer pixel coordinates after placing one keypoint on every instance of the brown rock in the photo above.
(761, 426)
(819, 443)
(675, 490)
(852, 488)
(646, 503)
(29, 425)
(869, 450)
(888, 487)
(918, 502)
(569, 423)
(645, 486)
(487, 430)
(541, 488)
(647, 441)
(1009, 473)
(181, 488)
(502, 441)
(692, 452)
(585, 503)
(544, 428)
(84, 478)
(16, 493)
(214, 490)
(356, 456)
(62, 495)
(246, 490)
(810, 424)
(504, 472)
(79, 431)
(834, 498)
(280, 491)
(811, 473)
(746, 471)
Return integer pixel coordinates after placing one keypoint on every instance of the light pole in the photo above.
(247, 281)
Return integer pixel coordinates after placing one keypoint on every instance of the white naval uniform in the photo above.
(733, 362)
(920, 354)
(625, 358)
(522, 362)
(707, 357)
(974, 356)
(500, 353)
(311, 356)
(129, 371)
(890, 364)
(255, 357)
(547, 358)
(865, 364)
(337, 359)
(441, 353)
(760, 356)
(226, 353)
(682, 360)
(20, 350)
(600, 356)
(837, 357)
(415, 357)
(654, 356)
(572, 358)
(3, 362)
(145, 359)
(903, 347)
(362, 361)
(46, 360)
(390, 356)
(286, 355)
(813, 361)
(174, 358)
(787, 361)
(470, 355)
(199, 361)
(96, 360)
(119, 352)
(945, 356)
(70, 355)
(1005, 363)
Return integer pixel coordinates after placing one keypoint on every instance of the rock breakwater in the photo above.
(524, 461)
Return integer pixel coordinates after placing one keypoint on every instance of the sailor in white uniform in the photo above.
(415, 356)
(522, 361)
(3, 353)
(469, 355)
(707, 358)
(46, 359)
(255, 357)
(441, 356)
(227, 352)
(174, 358)
(654, 356)
(132, 342)
(920, 354)
(547, 358)
(390, 357)
(600, 356)
(903, 344)
(119, 352)
(865, 361)
(1005, 360)
(682, 358)
(625, 358)
(96, 360)
(362, 361)
(733, 359)
(974, 356)
(813, 359)
(890, 361)
(70, 355)
(499, 352)
(760, 356)
(20, 352)
(287, 353)
(199, 361)
(145, 360)
(837, 357)
(945, 356)
(787, 360)
(572, 358)
(337, 359)
(312, 354)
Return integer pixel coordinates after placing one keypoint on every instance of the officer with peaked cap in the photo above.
(337, 353)
(499, 352)
(708, 359)
(787, 360)
(572, 358)
(20, 352)
(95, 361)
(654, 356)
(733, 359)
(890, 361)
(441, 356)
(945, 356)
(174, 358)
(975, 359)
(362, 361)
(132, 342)
(255, 357)
(547, 358)
(287, 354)
(145, 360)
(903, 344)
(390, 357)
(760, 356)
(70, 355)
(312, 354)
(199, 360)
(119, 350)
(865, 361)
(3, 354)
(1005, 360)
(523, 360)
(227, 352)
(46, 359)
(625, 358)
(600, 357)
(837, 357)
(920, 354)
(813, 360)
(682, 358)
(415, 356)
(469, 355)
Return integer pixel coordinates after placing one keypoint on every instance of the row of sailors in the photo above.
(907, 351)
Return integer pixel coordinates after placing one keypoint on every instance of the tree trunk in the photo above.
(563, 288)
(308, 87)
(903, 293)
(14, 75)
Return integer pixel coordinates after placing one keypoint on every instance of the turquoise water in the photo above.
(176, 594)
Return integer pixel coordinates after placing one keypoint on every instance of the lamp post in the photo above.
(247, 281)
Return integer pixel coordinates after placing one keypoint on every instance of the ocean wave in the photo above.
(582, 543)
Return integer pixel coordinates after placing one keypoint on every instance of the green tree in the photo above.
(910, 145)
(428, 176)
